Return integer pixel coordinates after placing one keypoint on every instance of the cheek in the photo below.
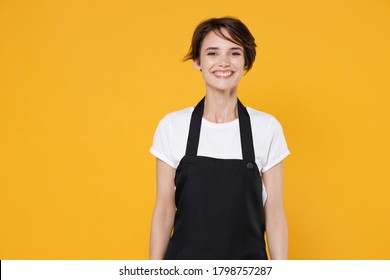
(243, 63)
(239, 63)
(207, 62)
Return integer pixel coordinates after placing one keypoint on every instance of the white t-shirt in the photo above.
(220, 140)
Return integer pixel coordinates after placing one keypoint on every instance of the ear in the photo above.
(196, 64)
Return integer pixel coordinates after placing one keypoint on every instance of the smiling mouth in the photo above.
(223, 74)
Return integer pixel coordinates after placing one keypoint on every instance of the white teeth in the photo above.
(223, 74)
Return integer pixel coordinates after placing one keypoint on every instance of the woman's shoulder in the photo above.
(260, 116)
(264, 120)
(180, 114)
(177, 118)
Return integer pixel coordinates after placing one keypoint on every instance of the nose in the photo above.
(224, 62)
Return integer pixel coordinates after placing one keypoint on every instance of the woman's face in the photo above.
(222, 62)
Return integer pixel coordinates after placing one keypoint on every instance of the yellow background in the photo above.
(83, 85)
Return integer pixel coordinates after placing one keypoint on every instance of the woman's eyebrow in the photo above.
(211, 49)
(215, 48)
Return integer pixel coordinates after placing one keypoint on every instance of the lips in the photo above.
(223, 74)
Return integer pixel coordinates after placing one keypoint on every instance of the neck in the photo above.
(220, 106)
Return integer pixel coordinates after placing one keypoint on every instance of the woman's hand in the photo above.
(275, 217)
(164, 211)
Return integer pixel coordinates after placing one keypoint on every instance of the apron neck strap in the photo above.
(247, 148)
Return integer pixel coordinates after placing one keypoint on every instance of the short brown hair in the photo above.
(238, 32)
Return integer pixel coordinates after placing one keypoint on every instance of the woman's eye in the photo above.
(236, 53)
(211, 53)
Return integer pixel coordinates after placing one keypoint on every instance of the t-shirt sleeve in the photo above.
(277, 149)
(161, 147)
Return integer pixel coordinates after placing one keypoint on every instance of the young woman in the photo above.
(215, 160)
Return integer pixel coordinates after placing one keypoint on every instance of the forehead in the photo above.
(213, 39)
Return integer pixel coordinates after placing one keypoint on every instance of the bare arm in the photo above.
(164, 211)
(275, 217)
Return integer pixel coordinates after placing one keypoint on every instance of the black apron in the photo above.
(219, 205)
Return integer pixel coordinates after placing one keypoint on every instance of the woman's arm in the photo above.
(275, 217)
(164, 211)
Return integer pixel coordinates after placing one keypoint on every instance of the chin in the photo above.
(224, 88)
